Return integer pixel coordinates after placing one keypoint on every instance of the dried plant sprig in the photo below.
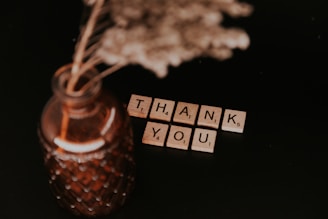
(157, 34)
(97, 22)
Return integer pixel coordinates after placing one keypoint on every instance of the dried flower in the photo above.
(157, 34)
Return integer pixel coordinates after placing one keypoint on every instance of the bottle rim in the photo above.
(59, 83)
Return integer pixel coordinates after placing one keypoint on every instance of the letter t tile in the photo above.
(139, 106)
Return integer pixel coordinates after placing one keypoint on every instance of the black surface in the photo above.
(276, 169)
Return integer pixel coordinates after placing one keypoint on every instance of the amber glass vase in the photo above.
(88, 147)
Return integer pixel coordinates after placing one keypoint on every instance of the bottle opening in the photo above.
(78, 96)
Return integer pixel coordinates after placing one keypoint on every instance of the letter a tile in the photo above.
(204, 140)
(179, 137)
(155, 133)
(162, 109)
(234, 121)
(209, 116)
(139, 106)
(185, 113)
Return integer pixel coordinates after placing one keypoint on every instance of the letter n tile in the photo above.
(209, 116)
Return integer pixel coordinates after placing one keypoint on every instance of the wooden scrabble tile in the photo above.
(209, 116)
(185, 113)
(204, 140)
(233, 121)
(162, 109)
(139, 106)
(155, 133)
(179, 137)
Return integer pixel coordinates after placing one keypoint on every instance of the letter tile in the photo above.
(179, 137)
(155, 133)
(233, 121)
(209, 116)
(185, 113)
(139, 106)
(204, 140)
(162, 109)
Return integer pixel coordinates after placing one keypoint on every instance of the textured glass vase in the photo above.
(88, 147)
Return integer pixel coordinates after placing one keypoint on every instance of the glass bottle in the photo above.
(88, 147)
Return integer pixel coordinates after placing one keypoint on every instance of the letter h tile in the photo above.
(162, 109)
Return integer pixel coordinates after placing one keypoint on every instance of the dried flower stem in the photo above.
(64, 124)
(77, 68)
(83, 44)
(103, 74)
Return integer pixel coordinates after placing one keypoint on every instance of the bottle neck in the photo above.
(77, 98)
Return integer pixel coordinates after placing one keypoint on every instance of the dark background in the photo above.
(275, 169)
